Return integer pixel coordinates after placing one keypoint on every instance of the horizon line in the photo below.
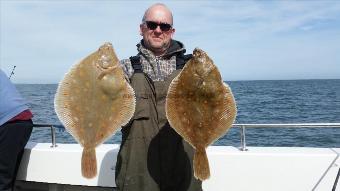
(223, 81)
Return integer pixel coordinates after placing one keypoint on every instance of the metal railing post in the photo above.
(53, 137)
(243, 139)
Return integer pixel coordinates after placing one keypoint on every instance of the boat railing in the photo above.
(243, 127)
(243, 146)
(53, 128)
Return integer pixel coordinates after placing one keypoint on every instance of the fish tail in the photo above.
(201, 164)
(89, 163)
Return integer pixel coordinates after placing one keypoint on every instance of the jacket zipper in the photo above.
(158, 69)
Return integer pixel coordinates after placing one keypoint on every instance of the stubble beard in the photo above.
(160, 48)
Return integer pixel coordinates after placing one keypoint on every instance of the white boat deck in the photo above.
(258, 169)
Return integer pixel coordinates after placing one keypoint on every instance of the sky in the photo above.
(248, 40)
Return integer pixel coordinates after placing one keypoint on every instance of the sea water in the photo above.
(277, 101)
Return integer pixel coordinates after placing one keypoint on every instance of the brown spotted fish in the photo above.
(93, 101)
(200, 107)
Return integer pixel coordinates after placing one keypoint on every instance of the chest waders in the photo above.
(152, 156)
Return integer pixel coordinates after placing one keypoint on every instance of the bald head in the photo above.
(158, 10)
(156, 28)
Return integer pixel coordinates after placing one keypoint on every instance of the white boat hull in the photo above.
(258, 169)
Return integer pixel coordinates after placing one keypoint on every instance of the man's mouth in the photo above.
(157, 38)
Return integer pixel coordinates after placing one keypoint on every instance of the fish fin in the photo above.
(89, 163)
(201, 164)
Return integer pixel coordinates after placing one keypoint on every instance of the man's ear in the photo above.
(173, 32)
(141, 29)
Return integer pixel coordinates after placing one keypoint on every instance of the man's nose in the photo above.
(158, 29)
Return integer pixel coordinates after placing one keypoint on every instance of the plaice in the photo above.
(200, 107)
(93, 100)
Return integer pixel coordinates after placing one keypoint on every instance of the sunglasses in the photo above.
(153, 25)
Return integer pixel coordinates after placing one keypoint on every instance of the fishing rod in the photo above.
(12, 72)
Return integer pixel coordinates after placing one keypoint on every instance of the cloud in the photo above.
(47, 37)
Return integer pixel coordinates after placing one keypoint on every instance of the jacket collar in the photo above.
(176, 47)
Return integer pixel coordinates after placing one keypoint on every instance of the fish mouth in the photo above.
(105, 46)
(205, 66)
(199, 55)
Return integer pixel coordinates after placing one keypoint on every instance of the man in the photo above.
(152, 156)
(15, 129)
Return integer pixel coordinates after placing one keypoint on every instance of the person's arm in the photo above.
(127, 68)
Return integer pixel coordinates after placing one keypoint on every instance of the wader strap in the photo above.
(136, 65)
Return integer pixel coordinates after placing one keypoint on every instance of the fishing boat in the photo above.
(56, 167)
